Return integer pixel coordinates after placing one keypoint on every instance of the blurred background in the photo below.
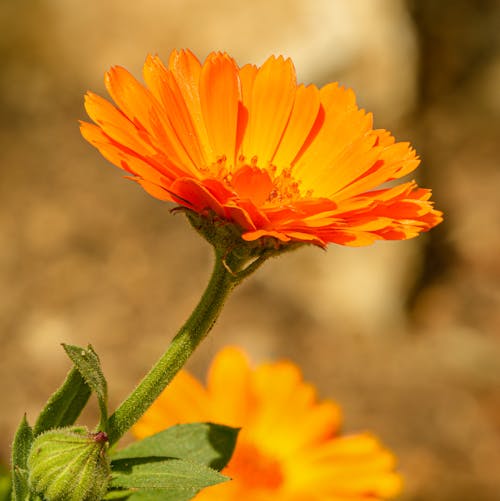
(404, 335)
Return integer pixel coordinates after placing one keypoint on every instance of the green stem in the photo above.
(198, 325)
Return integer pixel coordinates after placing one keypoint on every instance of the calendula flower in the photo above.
(251, 147)
(289, 447)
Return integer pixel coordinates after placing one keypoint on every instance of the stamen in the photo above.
(285, 187)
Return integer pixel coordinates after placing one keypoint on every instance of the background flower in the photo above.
(289, 447)
(250, 145)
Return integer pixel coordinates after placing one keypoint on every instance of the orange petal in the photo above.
(347, 237)
(219, 97)
(142, 108)
(192, 194)
(393, 162)
(257, 216)
(115, 124)
(218, 189)
(163, 86)
(299, 236)
(252, 183)
(251, 236)
(304, 113)
(300, 209)
(271, 103)
(247, 79)
(154, 190)
(343, 124)
(240, 217)
(351, 163)
(186, 69)
(126, 159)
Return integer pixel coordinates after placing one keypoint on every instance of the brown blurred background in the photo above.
(405, 335)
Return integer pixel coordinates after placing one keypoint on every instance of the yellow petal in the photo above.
(228, 387)
(288, 405)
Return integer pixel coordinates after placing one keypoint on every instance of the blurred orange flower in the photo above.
(252, 147)
(289, 447)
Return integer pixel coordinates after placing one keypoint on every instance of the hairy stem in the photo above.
(197, 326)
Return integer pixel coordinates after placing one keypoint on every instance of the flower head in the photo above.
(251, 147)
(289, 447)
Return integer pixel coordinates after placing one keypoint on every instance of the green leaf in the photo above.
(118, 494)
(161, 495)
(65, 405)
(5, 484)
(20, 451)
(171, 478)
(88, 364)
(175, 464)
(151, 495)
(204, 443)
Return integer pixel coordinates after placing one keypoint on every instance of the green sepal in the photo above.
(208, 444)
(88, 364)
(69, 464)
(166, 478)
(20, 450)
(65, 405)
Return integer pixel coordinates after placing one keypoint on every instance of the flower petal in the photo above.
(304, 113)
(116, 125)
(220, 96)
(281, 161)
(163, 85)
(343, 124)
(150, 169)
(273, 95)
(228, 386)
(394, 161)
(252, 183)
(186, 69)
(195, 196)
(144, 111)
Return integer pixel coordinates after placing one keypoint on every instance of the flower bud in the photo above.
(69, 464)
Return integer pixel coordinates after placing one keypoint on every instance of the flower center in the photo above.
(263, 186)
(286, 188)
(253, 469)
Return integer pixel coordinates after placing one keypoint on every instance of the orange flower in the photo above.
(289, 448)
(252, 147)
